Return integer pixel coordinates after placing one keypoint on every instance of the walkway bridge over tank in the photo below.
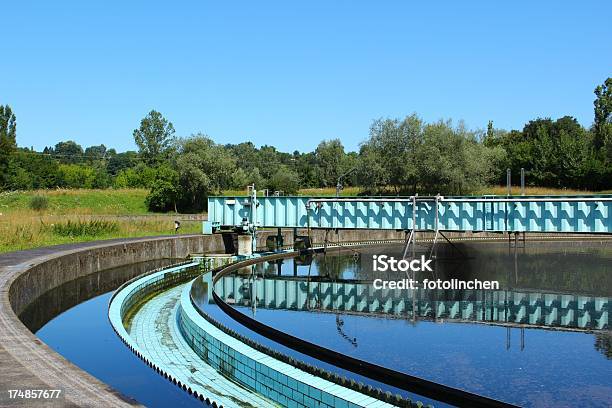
(512, 214)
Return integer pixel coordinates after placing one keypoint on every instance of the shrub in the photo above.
(39, 203)
(81, 228)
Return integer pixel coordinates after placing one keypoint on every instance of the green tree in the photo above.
(395, 145)
(8, 143)
(602, 126)
(204, 169)
(154, 138)
(140, 176)
(285, 179)
(120, 161)
(165, 191)
(94, 153)
(77, 176)
(68, 152)
(330, 159)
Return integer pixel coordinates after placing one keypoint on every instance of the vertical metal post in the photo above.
(279, 239)
(522, 181)
(254, 218)
(509, 181)
(507, 338)
(414, 210)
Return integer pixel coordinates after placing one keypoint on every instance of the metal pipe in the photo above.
(509, 181)
(464, 199)
(529, 199)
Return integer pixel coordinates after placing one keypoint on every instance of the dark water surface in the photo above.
(548, 343)
(542, 340)
(83, 335)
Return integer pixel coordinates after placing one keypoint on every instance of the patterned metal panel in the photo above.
(570, 214)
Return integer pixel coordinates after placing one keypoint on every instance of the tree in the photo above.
(395, 145)
(96, 152)
(330, 159)
(154, 138)
(603, 118)
(33, 171)
(165, 190)
(285, 180)
(120, 161)
(68, 152)
(204, 168)
(8, 142)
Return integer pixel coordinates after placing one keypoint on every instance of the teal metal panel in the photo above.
(571, 214)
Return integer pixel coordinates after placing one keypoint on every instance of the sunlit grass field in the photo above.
(18, 232)
(77, 202)
(79, 216)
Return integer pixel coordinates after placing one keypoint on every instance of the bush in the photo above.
(39, 203)
(80, 228)
(164, 192)
(285, 180)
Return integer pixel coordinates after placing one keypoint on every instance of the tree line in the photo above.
(400, 156)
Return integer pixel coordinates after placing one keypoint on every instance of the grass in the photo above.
(496, 190)
(316, 192)
(75, 202)
(516, 190)
(17, 232)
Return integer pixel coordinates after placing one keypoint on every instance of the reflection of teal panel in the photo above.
(499, 216)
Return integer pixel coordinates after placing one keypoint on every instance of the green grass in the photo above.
(85, 228)
(498, 190)
(30, 219)
(312, 192)
(18, 233)
(86, 202)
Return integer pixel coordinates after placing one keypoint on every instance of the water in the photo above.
(550, 345)
(539, 364)
(73, 320)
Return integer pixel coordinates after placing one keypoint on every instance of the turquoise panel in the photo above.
(569, 214)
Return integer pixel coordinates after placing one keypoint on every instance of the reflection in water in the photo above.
(70, 294)
(73, 320)
(546, 333)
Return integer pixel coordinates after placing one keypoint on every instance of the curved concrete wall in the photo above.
(25, 361)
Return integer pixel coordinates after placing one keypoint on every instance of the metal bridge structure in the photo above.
(589, 214)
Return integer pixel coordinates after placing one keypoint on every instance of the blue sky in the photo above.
(291, 74)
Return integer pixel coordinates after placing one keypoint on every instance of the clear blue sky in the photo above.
(291, 74)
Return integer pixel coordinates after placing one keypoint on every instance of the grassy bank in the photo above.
(76, 202)
(18, 232)
(30, 219)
